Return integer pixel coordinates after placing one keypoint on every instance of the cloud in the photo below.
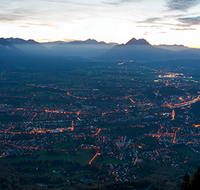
(150, 20)
(181, 5)
(117, 2)
(6, 17)
(190, 21)
(154, 22)
(151, 26)
(185, 22)
(146, 33)
(22, 26)
(18, 13)
(68, 11)
(182, 29)
(42, 24)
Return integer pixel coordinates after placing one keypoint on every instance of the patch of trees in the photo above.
(128, 185)
(168, 91)
(53, 152)
(11, 179)
(191, 182)
(195, 108)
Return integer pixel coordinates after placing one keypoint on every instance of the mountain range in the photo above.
(8, 49)
(136, 50)
(141, 50)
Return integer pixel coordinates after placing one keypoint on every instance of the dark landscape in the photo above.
(96, 115)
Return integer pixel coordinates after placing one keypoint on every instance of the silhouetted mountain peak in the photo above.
(4, 42)
(133, 41)
(32, 41)
(91, 41)
(21, 41)
(7, 48)
(87, 42)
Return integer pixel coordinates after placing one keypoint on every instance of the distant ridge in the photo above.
(30, 47)
(4, 42)
(134, 49)
(133, 41)
(8, 49)
(172, 47)
(21, 41)
(141, 50)
(89, 48)
(88, 41)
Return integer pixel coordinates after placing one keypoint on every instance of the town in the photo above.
(116, 118)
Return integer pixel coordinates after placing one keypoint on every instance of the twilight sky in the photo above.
(158, 21)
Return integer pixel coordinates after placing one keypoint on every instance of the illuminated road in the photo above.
(131, 100)
(157, 154)
(76, 96)
(174, 140)
(99, 130)
(184, 103)
(90, 162)
(136, 159)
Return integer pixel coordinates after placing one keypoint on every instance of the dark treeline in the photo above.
(191, 182)
(19, 177)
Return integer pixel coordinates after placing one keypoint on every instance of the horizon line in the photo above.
(72, 40)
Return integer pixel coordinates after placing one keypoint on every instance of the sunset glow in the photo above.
(159, 22)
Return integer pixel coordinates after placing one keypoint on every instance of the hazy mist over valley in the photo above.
(139, 50)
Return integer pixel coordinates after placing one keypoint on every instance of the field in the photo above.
(81, 156)
(107, 160)
(183, 150)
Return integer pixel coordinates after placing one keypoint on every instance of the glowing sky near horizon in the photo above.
(158, 21)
